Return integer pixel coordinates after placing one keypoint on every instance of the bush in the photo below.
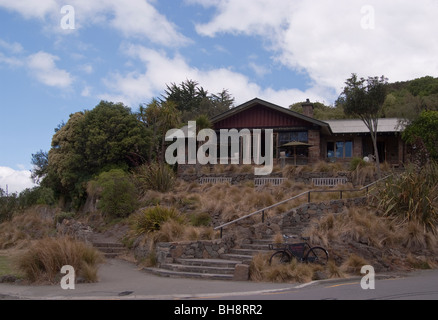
(154, 176)
(43, 261)
(36, 195)
(153, 218)
(412, 196)
(116, 192)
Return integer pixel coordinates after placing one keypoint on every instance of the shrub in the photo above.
(116, 192)
(153, 218)
(43, 261)
(154, 176)
(36, 195)
(200, 219)
(412, 196)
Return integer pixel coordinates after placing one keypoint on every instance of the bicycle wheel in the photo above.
(279, 257)
(317, 255)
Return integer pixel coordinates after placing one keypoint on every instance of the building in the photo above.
(302, 139)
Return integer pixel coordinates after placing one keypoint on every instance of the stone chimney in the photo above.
(308, 108)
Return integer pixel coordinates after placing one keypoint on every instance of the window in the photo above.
(348, 149)
(340, 149)
(330, 149)
(286, 137)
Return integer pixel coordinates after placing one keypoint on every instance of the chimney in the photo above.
(308, 108)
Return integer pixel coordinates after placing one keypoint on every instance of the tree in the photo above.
(116, 191)
(364, 98)
(40, 162)
(425, 130)
(158, 117)
(109, 136)
(321, 111)
(193, 100)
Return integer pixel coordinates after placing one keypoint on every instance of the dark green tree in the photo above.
(364, 98)
(109, 136)
(425, 129)
(192, 100)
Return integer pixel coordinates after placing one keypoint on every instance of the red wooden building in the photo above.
(304, 139)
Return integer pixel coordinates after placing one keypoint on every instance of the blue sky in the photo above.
(283, 51)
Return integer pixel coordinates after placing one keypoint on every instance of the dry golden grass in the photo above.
(260, 270)
(43, 260)
(24, 227)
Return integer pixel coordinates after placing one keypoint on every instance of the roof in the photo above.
(257, 101)
(385, 125)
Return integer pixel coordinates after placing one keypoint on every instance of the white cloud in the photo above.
(15, 180)
(14, 47)
(138, 87)
(30, 8)
(133, 18)
(327, 39)
(43, 67)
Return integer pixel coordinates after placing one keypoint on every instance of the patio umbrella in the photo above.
(295, 144)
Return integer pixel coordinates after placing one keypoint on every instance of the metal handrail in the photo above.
(262, 211)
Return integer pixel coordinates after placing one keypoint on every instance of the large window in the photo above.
(340, 149)
(286, 137)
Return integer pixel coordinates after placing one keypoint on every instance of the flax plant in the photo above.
(412, 196)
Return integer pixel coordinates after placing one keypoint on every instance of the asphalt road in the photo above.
(123, 280)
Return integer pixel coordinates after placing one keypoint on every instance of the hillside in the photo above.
(405, 99)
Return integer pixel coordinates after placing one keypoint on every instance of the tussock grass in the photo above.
(24, 227)
(260, 270)
(43, 260)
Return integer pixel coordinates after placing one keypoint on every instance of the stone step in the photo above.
(197, 269)
(248, 252)
(194, 275)
(256, 247)
(246, 259)
(107, 244)
(222, 263)
(109, 249)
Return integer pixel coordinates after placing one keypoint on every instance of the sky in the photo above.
(58, 57)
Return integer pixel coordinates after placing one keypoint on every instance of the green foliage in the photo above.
(200, 219)
(425, 128)
(151, 219)
(409, 98)
(109, 136)
(155, 176)
(158, 117)
(356, 163)
(424, 86)
(8, 205)
(36, 195)
(322, 111)
(59, 217)
(364, 98)
(192, 100)
(116, 192)
(412, 196)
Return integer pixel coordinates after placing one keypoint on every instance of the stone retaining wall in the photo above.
(294, 221)
(168, 252)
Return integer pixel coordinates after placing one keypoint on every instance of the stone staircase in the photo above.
(225, 268)
(109, 249)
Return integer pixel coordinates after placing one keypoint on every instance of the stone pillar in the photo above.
(315, 149)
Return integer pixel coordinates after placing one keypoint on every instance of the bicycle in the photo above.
(303, 252)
